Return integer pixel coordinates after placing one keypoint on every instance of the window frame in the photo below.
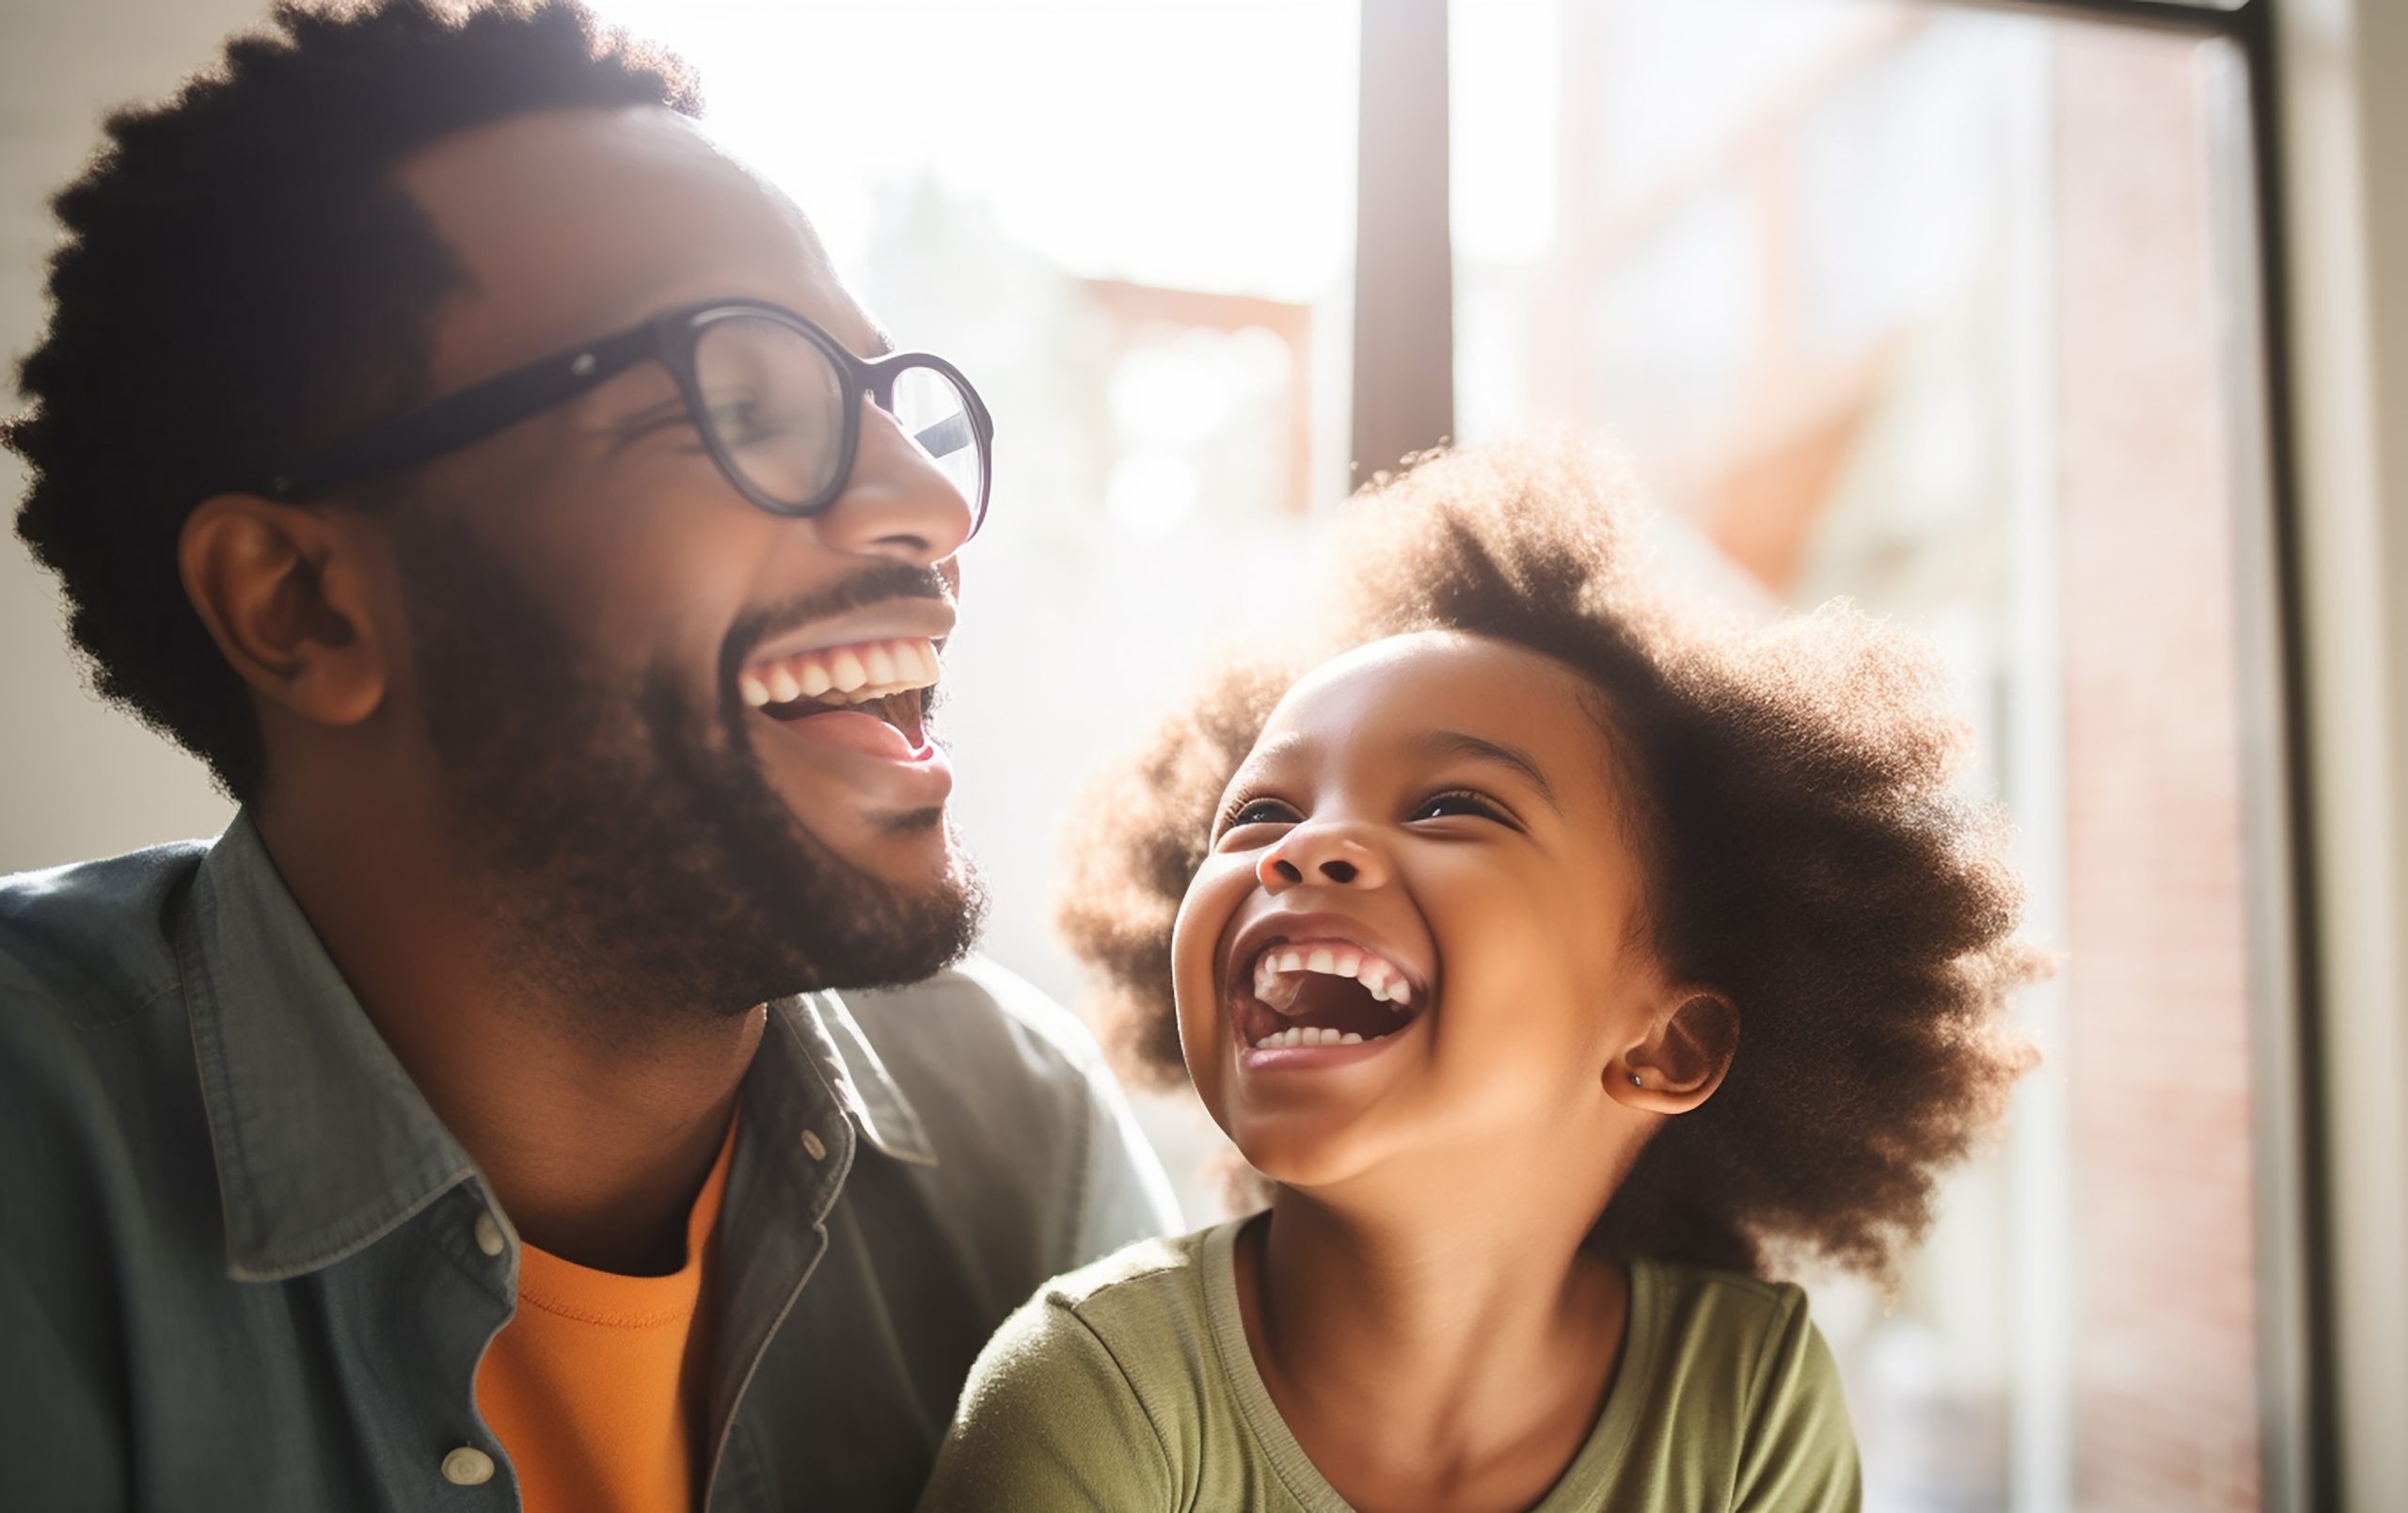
(1403, 401)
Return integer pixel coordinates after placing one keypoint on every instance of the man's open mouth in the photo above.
(888, 679)
(1323, 992)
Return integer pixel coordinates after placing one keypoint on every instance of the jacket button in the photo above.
(468, 1467)
(488, 1235)
(813, 1146)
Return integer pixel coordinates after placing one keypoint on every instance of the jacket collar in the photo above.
(833, 1041)
(322, 1144)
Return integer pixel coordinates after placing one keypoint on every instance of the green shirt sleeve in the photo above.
(1048, 1422)
(1799, 1453)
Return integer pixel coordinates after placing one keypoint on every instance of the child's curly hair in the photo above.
(1789, 789)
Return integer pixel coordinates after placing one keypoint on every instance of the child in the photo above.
(1562, 965)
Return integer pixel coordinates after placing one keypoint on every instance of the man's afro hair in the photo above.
(241, 281)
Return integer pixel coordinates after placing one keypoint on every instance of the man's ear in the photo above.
(1684, 1057)
(284, 594)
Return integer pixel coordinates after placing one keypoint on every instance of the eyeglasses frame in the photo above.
(669, 338)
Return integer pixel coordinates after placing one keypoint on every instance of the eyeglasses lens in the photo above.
(931, 409)
(775, 406)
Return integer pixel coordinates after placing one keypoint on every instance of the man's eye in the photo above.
(1461, 801)
(742, 422)
(636, 430)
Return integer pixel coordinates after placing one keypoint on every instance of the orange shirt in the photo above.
(596, 1385)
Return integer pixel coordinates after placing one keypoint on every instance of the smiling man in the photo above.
(493, 483)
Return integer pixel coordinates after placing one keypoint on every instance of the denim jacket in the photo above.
(241, 1267)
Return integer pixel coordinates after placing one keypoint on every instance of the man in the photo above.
(493, 484)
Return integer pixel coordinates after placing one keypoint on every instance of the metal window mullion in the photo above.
(1405, 339)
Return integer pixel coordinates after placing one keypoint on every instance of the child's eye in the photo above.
(1461, 801)
(1257, 812)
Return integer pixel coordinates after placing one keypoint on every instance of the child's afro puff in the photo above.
(1791, 803)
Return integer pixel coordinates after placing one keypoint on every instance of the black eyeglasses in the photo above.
(776, 399)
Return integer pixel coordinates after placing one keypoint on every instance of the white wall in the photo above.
(2346, 126)
(77, 778)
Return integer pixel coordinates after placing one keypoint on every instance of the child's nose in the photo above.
(1322, 854)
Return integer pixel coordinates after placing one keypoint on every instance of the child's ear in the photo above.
(1684, 1057)
(285, 598)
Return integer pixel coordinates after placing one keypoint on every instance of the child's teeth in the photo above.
(1295, 1036)
(1277, 970)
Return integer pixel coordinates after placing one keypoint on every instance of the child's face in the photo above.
(1434, 816)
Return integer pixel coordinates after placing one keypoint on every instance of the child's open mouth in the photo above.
(872, 696)
(1321, 995)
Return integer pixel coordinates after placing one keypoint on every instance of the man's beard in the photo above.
(621, 825)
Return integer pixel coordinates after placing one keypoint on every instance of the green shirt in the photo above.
(1128, 1386)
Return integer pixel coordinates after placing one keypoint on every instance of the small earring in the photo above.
(1635, 1080)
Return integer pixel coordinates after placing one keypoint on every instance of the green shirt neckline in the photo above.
(1576, 1488)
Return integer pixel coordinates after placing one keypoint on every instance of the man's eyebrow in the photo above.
(1479, 748)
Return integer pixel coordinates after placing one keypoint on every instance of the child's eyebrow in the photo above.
(1462, 744)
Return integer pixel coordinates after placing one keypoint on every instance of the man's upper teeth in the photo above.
(1276, 971)
(842, 675)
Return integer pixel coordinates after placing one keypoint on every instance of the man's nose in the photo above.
(1330, 856)
(897, 503)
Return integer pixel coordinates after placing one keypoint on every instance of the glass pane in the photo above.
(1928, 307)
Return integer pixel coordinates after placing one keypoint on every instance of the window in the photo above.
(1951, 311)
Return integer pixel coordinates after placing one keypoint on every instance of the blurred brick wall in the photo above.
(2165, 1407)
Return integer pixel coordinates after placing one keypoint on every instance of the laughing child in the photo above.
(1565, 968)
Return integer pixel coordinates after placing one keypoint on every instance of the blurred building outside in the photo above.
(1925, 308)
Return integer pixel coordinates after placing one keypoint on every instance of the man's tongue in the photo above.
(892, 726)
